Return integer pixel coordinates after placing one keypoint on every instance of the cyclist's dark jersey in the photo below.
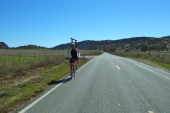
(73, 53)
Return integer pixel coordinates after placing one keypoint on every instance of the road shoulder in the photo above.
(152, 64)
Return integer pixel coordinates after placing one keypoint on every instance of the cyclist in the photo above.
(74, 54)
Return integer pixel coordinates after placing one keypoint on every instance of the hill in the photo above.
(134, 43)
(3, 45)
(30, 47)
(127, 44)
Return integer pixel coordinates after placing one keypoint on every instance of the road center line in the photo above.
(118, 67)
(47, 93)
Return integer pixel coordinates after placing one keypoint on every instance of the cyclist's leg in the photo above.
(70, 68)
(77, 62)
(74, 69)
(74, 66)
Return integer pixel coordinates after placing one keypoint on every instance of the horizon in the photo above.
(82, 41)
(50, 23)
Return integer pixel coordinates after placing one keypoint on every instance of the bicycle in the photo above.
(73, 68)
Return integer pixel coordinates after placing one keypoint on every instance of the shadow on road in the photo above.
(59, 81)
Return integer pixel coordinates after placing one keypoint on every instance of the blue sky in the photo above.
(52, 22)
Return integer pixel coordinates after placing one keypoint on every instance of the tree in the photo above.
(127, 50)
(144, 48)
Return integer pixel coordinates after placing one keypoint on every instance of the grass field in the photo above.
(25, 74)
(12, 64)
(12, 61)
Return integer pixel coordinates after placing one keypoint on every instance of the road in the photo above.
(107, 84)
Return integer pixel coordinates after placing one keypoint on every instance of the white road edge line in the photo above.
(85, 64)
(118, 67)
(43, 96)
(145, 65)
(39, 99)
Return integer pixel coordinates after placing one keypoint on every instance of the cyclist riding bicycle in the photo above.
(74, 54)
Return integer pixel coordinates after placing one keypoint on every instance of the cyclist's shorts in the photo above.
(73, 60)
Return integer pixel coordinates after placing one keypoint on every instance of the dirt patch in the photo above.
(19, 78)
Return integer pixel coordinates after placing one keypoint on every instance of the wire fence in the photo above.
(29, 55)
(34, 55)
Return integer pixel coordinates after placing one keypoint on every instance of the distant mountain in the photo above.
(81, 45)
(135, 43)
(3, 45)
(127, 44)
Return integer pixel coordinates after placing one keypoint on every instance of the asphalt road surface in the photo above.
(107, 84)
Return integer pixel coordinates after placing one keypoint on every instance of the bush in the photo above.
(127, 50)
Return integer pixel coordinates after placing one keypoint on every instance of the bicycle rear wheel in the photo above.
(74, 71)
(72, 75)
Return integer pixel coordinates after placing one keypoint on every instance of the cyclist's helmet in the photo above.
(72, 44)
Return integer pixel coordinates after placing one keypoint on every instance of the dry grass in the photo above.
(14, 66)
(16, 91)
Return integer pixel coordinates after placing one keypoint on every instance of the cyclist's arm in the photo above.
(68, 54)
(78, 53)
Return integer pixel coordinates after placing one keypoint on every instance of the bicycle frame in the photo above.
(73, 70)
